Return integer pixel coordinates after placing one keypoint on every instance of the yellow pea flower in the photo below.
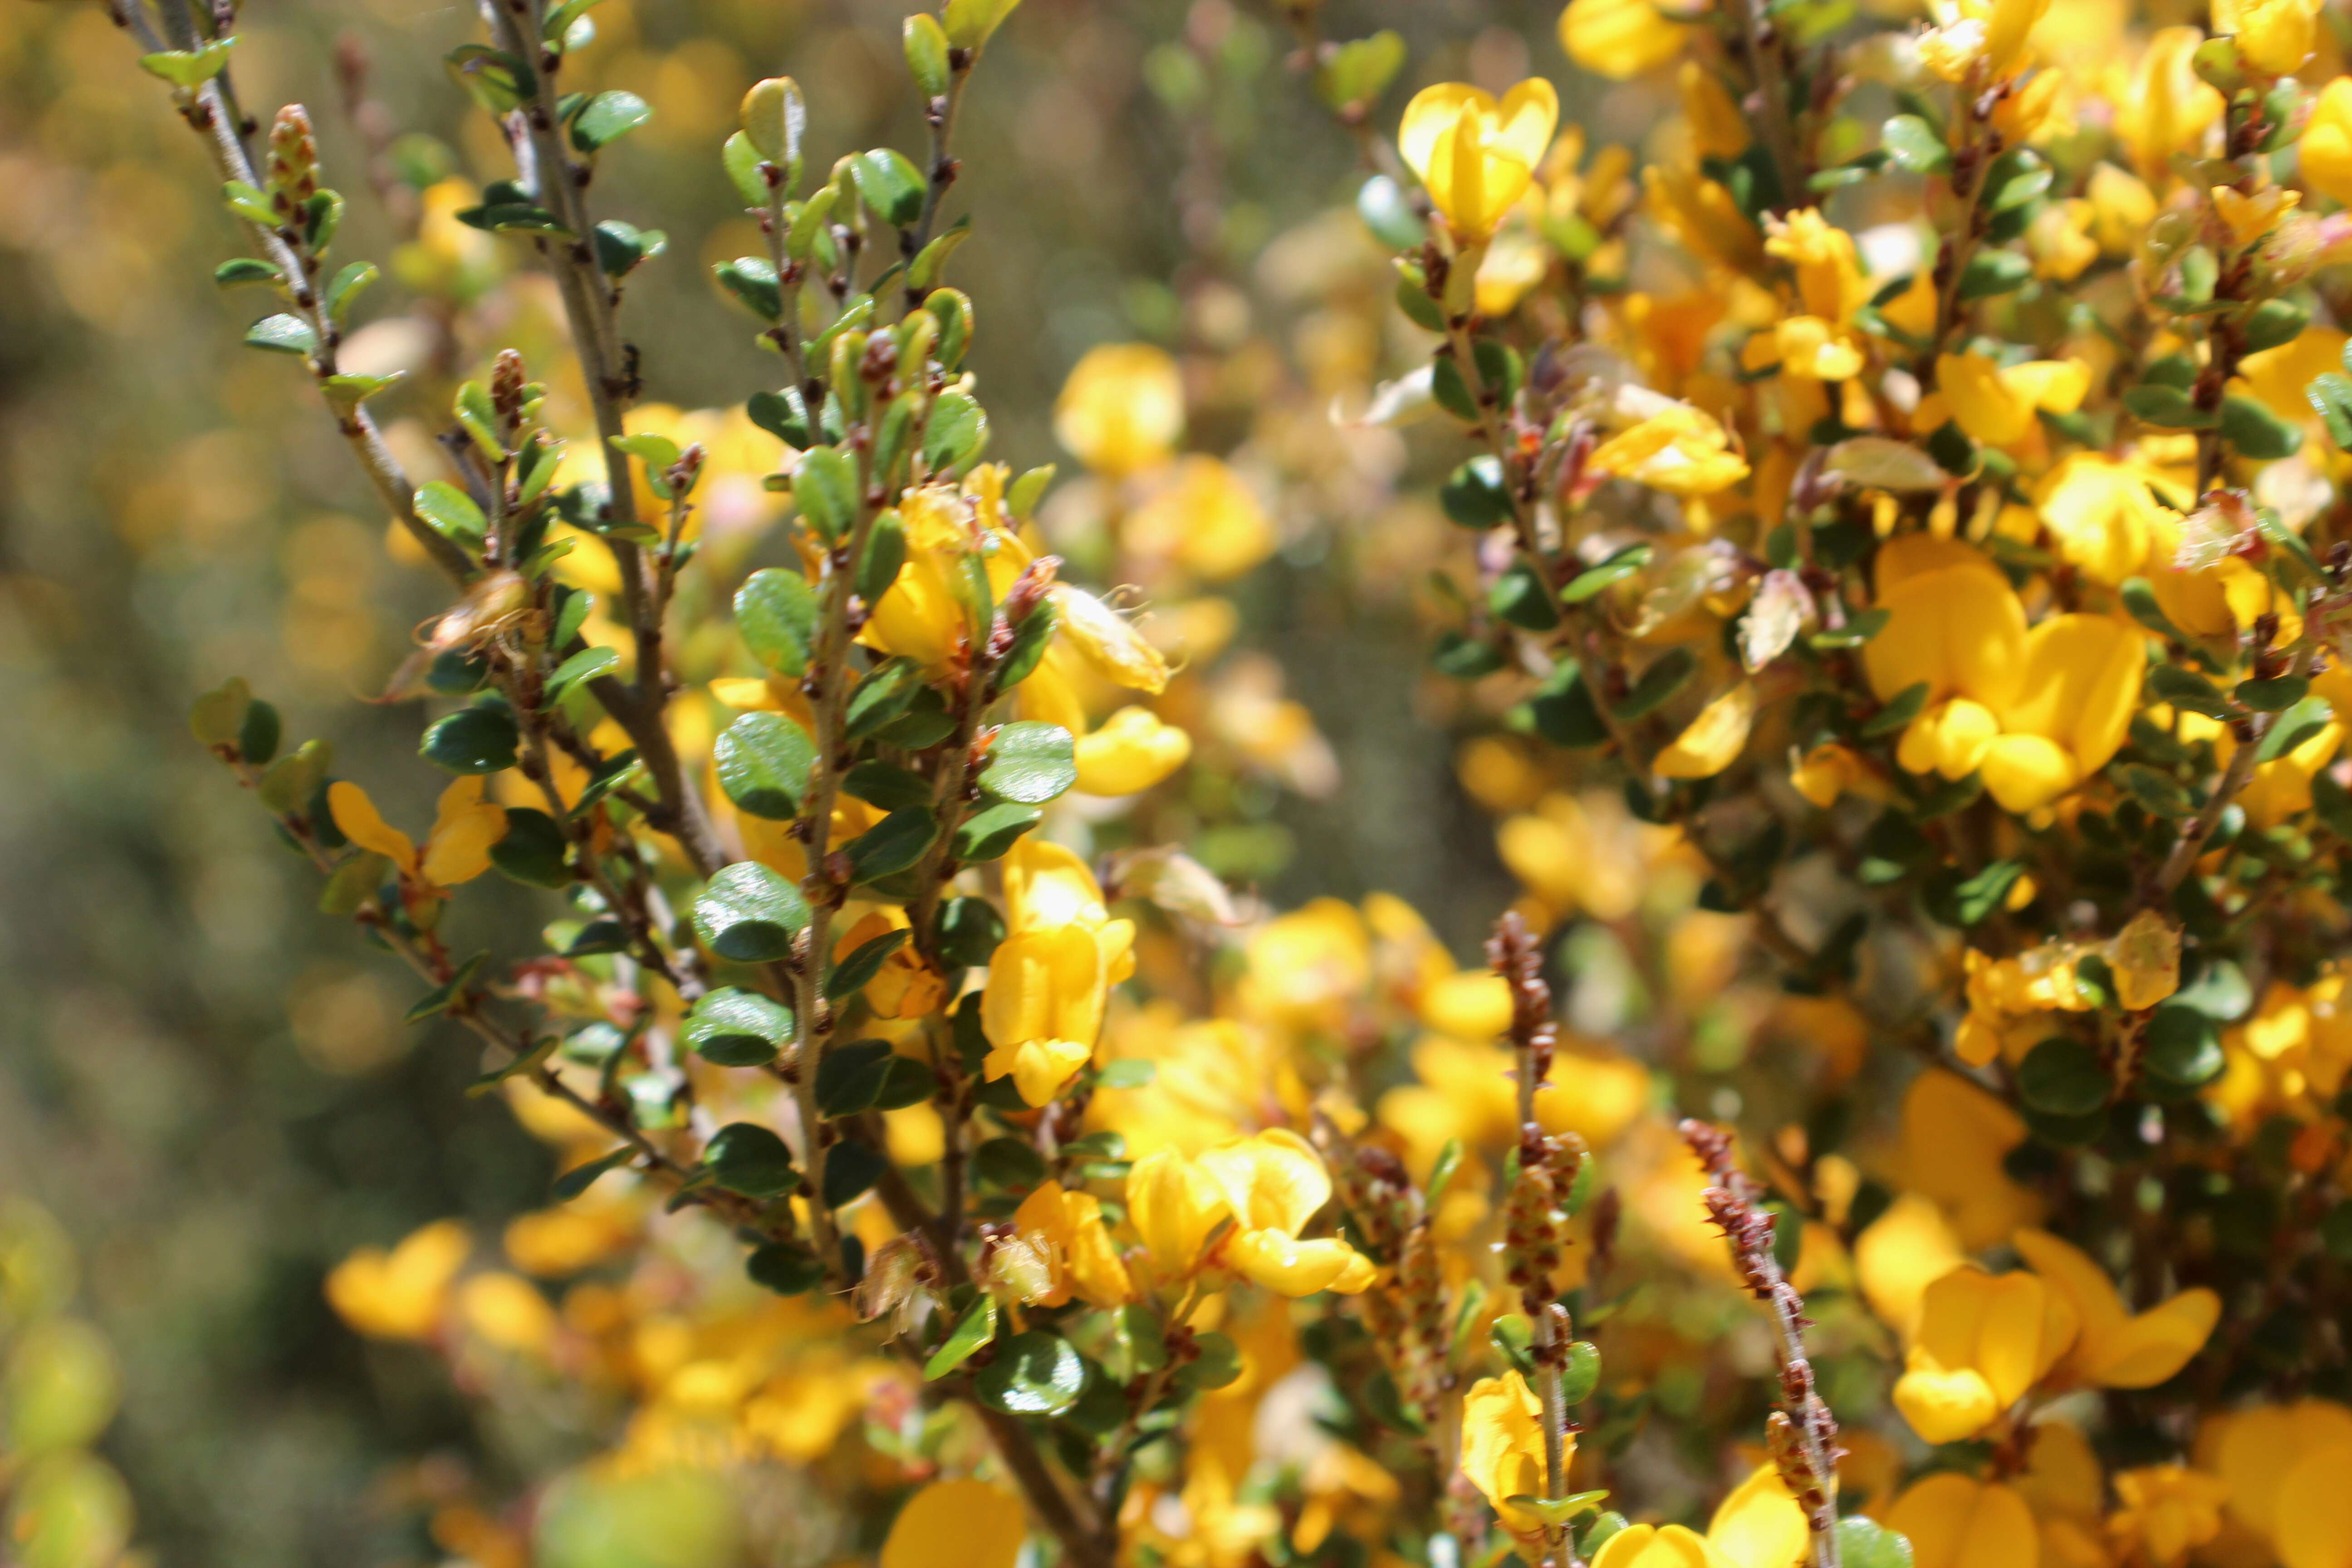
(1109, 642)
(2165, 108)
(2122, 206)
(1208, 521)
(1173, 1203)
(1620, 40)
(1829, 272)
(400, 1295)
(2258, 1449)
(905, 986)
(1043, 1008)
(922, 616)
(956, 1524)
(2079, 681)
(2273, 35)
(1273, 1185)
(1679, 450)
(1475, 155)
(1122, 408)
(1758, 1525)
(2324, 153)
(1129, 751)
(465, 828)
(1717, 123)
(1955, 1521)
(2116, 1349)
(1067, 1228)
(2101, 512)
(1955, 1139)
(2249, 219)
(357, 818)
(1960, 629)
(1903, 1251)
(1714, 740)
(2167, 1512)
(509, 1312)
(1984, 1341)
(1503, 1448)
(1995, 404)
(1830, 771)
(2314, 1516)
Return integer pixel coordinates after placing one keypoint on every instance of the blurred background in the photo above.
(208, 1094)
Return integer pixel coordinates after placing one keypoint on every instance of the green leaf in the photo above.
(977, 1327)
(1608, 574)
(751, 279)
(579, 1178)
(786, 1267)
(889, 184)
(736, 1028)
(480, 418)
(2299, 724)
(763, 760)
(1915, 145)
(927, 61)
(1354, 74)
(850, 1076)
(1514, 1337)
(2184, 689)
(348, 285)
(887, 785)
(2063, 1077)
(891, 845)
(970, 24)
(747, 1158)
(1217, 1362)
(282, 334)
(750, 913)
(586, 665)
(500, 82)
(2272, 323)
(449, 993)
(1580, 1373)
(533, 850)
(1978, 895)
(2181, 1047)
(863, 963)
(2167, 407)
(623, 248)
(1994, 272)
(783, 415)
(924, 272)
(2161, 792)
(189, 68)
(606, 118)
(1657, 684)
(2017, 178)
(451, 513)
(610, 774)
(886, 553)
(742, 161)
(1474, 494)
(1128, 1072)
(1563, 711)
(1034, 1373)
(883, 695)
(351, 391)
(1030, 763)
(1898, 713)
(2248, 424)
(956, 434)
(2330, 397)
(479, 739)
(992, 830)
(2275, 695)
(826, 489)
(1863, 1542)
(776, 613)
(246, 270)
(851, 1171)
(1011, 1164)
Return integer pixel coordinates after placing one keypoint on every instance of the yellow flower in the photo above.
(2258, 1449)
(1955, 1138)
(1758, 1525)
(905, 986)
(1996, 404)
(922, 615)
(2122, 206)
(1679, 450)
(1657, 1546)
(1173, 1203)
(2165, 108)
(2324, 153)
(1122, 408)
(1717, 123)
(2273, 35)
(1831, 769)
(2100, 511)
(2248, 218)
(1620, 39)
(1714, 740)
(400, 1295)
(2315, 1510)
(1273, 1185)
(2116, 1349)
(1955, 1521)
(1208, 521)
(1829, 274)
(1130, 751)
(2167, 1512)
(1984, 1341)
(956, 1524)
(1067, 1228)
(1109, 642)
(2079, 681)
(1043, 1007)
(1903, 1251)
(509, 1312)
(1477, 156)
(465, 827)
(1503, 1448)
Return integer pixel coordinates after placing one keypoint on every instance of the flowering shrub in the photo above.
(1897, 617)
